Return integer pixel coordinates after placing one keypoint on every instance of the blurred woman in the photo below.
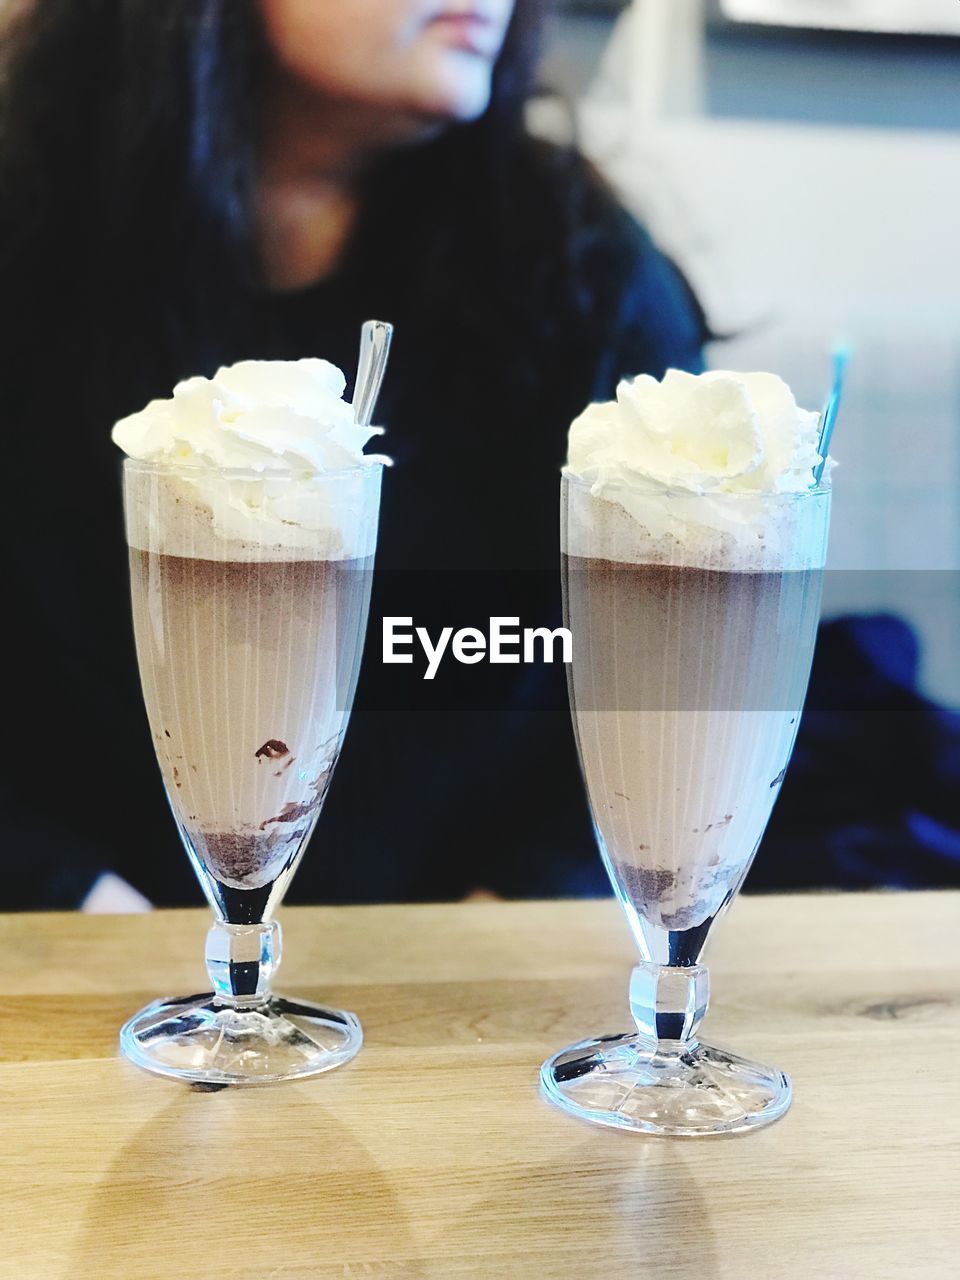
(186, 183)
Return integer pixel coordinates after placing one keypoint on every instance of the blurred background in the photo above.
(800, 159)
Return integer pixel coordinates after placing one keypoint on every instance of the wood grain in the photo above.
(432, 1154)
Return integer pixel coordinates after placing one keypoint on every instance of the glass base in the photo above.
(205, 1040)
(629, 1082)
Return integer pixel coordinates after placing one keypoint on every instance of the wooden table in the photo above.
(432, 1154)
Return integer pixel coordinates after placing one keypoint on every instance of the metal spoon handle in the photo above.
(375, 338)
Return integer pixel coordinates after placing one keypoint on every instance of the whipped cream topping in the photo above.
(713, 433)
(260, 415)
(286, 424)
(700, 470)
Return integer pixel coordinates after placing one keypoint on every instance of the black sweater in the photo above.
(470, 782)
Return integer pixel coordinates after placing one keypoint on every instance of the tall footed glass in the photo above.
(250, 598)
(694, 620)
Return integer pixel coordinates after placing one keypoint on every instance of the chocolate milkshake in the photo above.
(251, 518)
(693, 532)
(250, 597)
(692, 585)
(248, 671)
(687, 685)
(251, 522)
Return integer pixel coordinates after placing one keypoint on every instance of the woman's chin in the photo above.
(459, 93)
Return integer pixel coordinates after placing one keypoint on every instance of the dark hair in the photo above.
(127, 168)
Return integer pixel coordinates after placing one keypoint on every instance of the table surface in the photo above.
(432, 1154)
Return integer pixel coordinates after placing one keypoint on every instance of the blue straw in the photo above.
(828, 419)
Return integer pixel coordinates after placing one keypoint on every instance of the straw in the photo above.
(375, 339)
(828, 419)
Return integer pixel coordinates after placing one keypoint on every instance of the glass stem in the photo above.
(668, 1005)
(241, 960)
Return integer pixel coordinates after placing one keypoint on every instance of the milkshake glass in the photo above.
(694, 619)
(250, 590)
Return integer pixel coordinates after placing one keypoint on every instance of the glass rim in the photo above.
(166, 466)
(818, 490)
